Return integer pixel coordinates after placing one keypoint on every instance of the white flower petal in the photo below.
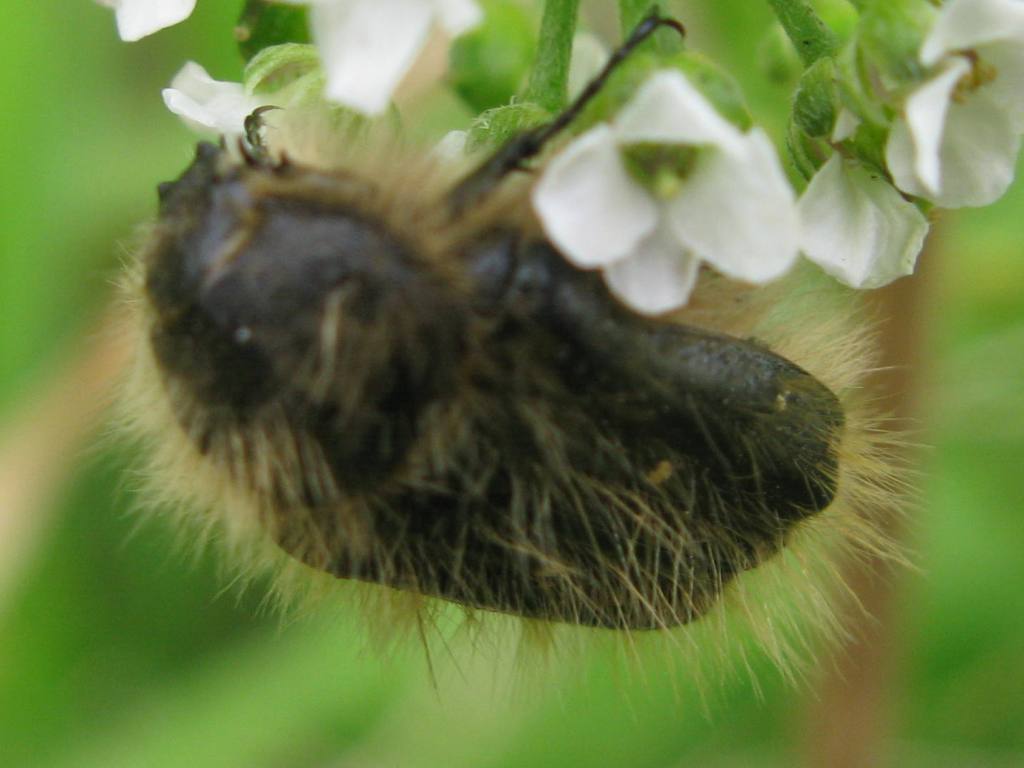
(657, 277)
(367, 46)
(206, 104)
(900, 158)
(857, 227)
(925, 121)
(458, 16)
(1007, 58)
(967, 24)
(668, 109)
(138, 18)
(978, 154)
(736, 211)
(588, 204)
(846, 125)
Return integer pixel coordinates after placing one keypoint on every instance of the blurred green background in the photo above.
(118, 649)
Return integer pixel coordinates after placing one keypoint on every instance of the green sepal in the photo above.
(264, 24)
(816, 101)
(805, 152)
(489, 65)
(496, 126)
(812, 38)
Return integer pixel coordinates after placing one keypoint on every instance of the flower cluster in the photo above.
(952, 141)
(670, 182)
(956, 139)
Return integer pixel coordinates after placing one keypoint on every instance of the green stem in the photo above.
(549, 80)
(632, 12)
(811, 37)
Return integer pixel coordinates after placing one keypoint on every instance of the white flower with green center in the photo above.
(367, 46)
(667, 185)
(138, 18)
(957, 140)
(207, 105)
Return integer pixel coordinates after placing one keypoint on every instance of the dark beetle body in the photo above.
(486, 425)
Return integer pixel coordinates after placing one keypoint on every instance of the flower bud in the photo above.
(278, 66)
(816, 102)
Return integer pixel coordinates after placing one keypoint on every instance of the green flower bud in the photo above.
(816, 102)
(805, 152)
(279, 66)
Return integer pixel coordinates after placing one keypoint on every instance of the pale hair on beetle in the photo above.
(354, 367)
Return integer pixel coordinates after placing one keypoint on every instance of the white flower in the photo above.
(956, 142)
(857, 227)
(733, 209)
(138, 18)
(367, 46)
(209, 105)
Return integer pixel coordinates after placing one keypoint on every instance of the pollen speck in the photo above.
(662, 472)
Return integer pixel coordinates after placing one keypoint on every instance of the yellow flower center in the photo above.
(982, 73)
